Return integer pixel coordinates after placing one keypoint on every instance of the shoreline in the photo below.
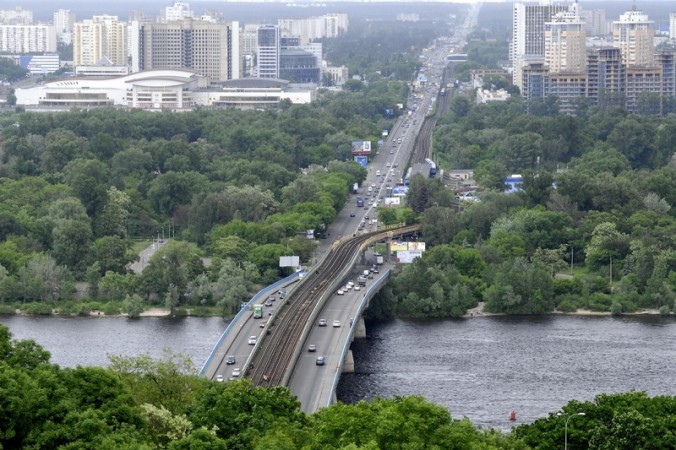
(478, 311)
(472, 313)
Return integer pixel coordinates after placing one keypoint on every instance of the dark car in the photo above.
(320, 360)
(352, 214)
(230, 360)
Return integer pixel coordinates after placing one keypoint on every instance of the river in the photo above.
(479, 368)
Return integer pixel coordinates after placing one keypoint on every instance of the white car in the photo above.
(336, 323)
(252, 340)
(340, 292)
(236, 372)
(219, 378)
(357, 288)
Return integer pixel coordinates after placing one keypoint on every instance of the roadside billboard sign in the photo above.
(361, 147)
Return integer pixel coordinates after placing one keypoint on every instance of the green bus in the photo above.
(258, 311)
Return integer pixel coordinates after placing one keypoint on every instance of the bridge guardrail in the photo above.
(328, 292)
(245, 308)
(362, 306)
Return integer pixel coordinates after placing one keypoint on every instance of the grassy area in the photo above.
(140, 245)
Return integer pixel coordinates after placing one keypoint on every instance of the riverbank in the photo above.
(479, 311)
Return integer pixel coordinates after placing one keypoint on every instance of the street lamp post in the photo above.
(565, 435)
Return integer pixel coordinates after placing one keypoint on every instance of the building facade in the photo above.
(210, 49)
(565, 43)
(16, 16)
(268, 52)
(27, 38)
(634, 35)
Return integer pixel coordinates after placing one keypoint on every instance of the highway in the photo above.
(284, 342)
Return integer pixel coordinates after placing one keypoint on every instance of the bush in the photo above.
(10, 309)
(568, 303)
(664, 311)
(111, 309)
(181, 312)
(600, 302)
(37, 308)
(616, 308)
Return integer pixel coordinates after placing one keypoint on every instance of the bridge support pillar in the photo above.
(360, 330)
(348, 364)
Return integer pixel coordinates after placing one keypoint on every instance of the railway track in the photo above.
(276, 350)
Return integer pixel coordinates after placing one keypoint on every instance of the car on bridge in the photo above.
(252, 340)
(336, 323)
(236, 372)
(219, 378)
(263, 324)
(230, 360)
(320, 360)
(322, 322)
(312, 348)
(340, 292)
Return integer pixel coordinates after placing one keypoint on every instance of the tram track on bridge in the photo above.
(276, 351)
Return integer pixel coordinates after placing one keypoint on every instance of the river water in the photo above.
(481, 368)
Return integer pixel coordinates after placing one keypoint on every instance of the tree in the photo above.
(113, 218)
(42, 279)
(176, 263)
(606, 243)
(88, 180)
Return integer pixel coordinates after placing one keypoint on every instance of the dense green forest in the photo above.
(78, 187)
(597, 188)
(142, 403)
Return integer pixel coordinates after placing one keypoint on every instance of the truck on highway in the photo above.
(355, 188)
(258, 311)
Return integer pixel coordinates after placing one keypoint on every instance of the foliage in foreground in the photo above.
(143, 403)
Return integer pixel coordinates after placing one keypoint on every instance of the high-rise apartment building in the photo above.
(528, 34)
(672, 25)
(267, 52)
(64, 19)
(210, 49)
(634, 35)
(100, 37)
(595, 20)
(565, 43)
(16, 16)
(27, 38)
(311, 28)
(178, 11)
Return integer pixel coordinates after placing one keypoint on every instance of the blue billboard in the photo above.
(363, 160)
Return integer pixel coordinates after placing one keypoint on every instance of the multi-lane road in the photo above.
(310, 381)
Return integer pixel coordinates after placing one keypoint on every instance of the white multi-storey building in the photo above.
(267, 52)
(672, 25)
(16, 16)
(528, 33)
(64, 20)
(311, 28)
(27, 38)
(102, 36)
(178, 11)
(634, 35)
(565, 43)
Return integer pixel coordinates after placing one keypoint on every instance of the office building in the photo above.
(267, 52)
(27, 38)
(634, 35)
(210, 49)
(298, 66)
(565, 43)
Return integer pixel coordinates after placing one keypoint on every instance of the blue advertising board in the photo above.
(363, 160)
